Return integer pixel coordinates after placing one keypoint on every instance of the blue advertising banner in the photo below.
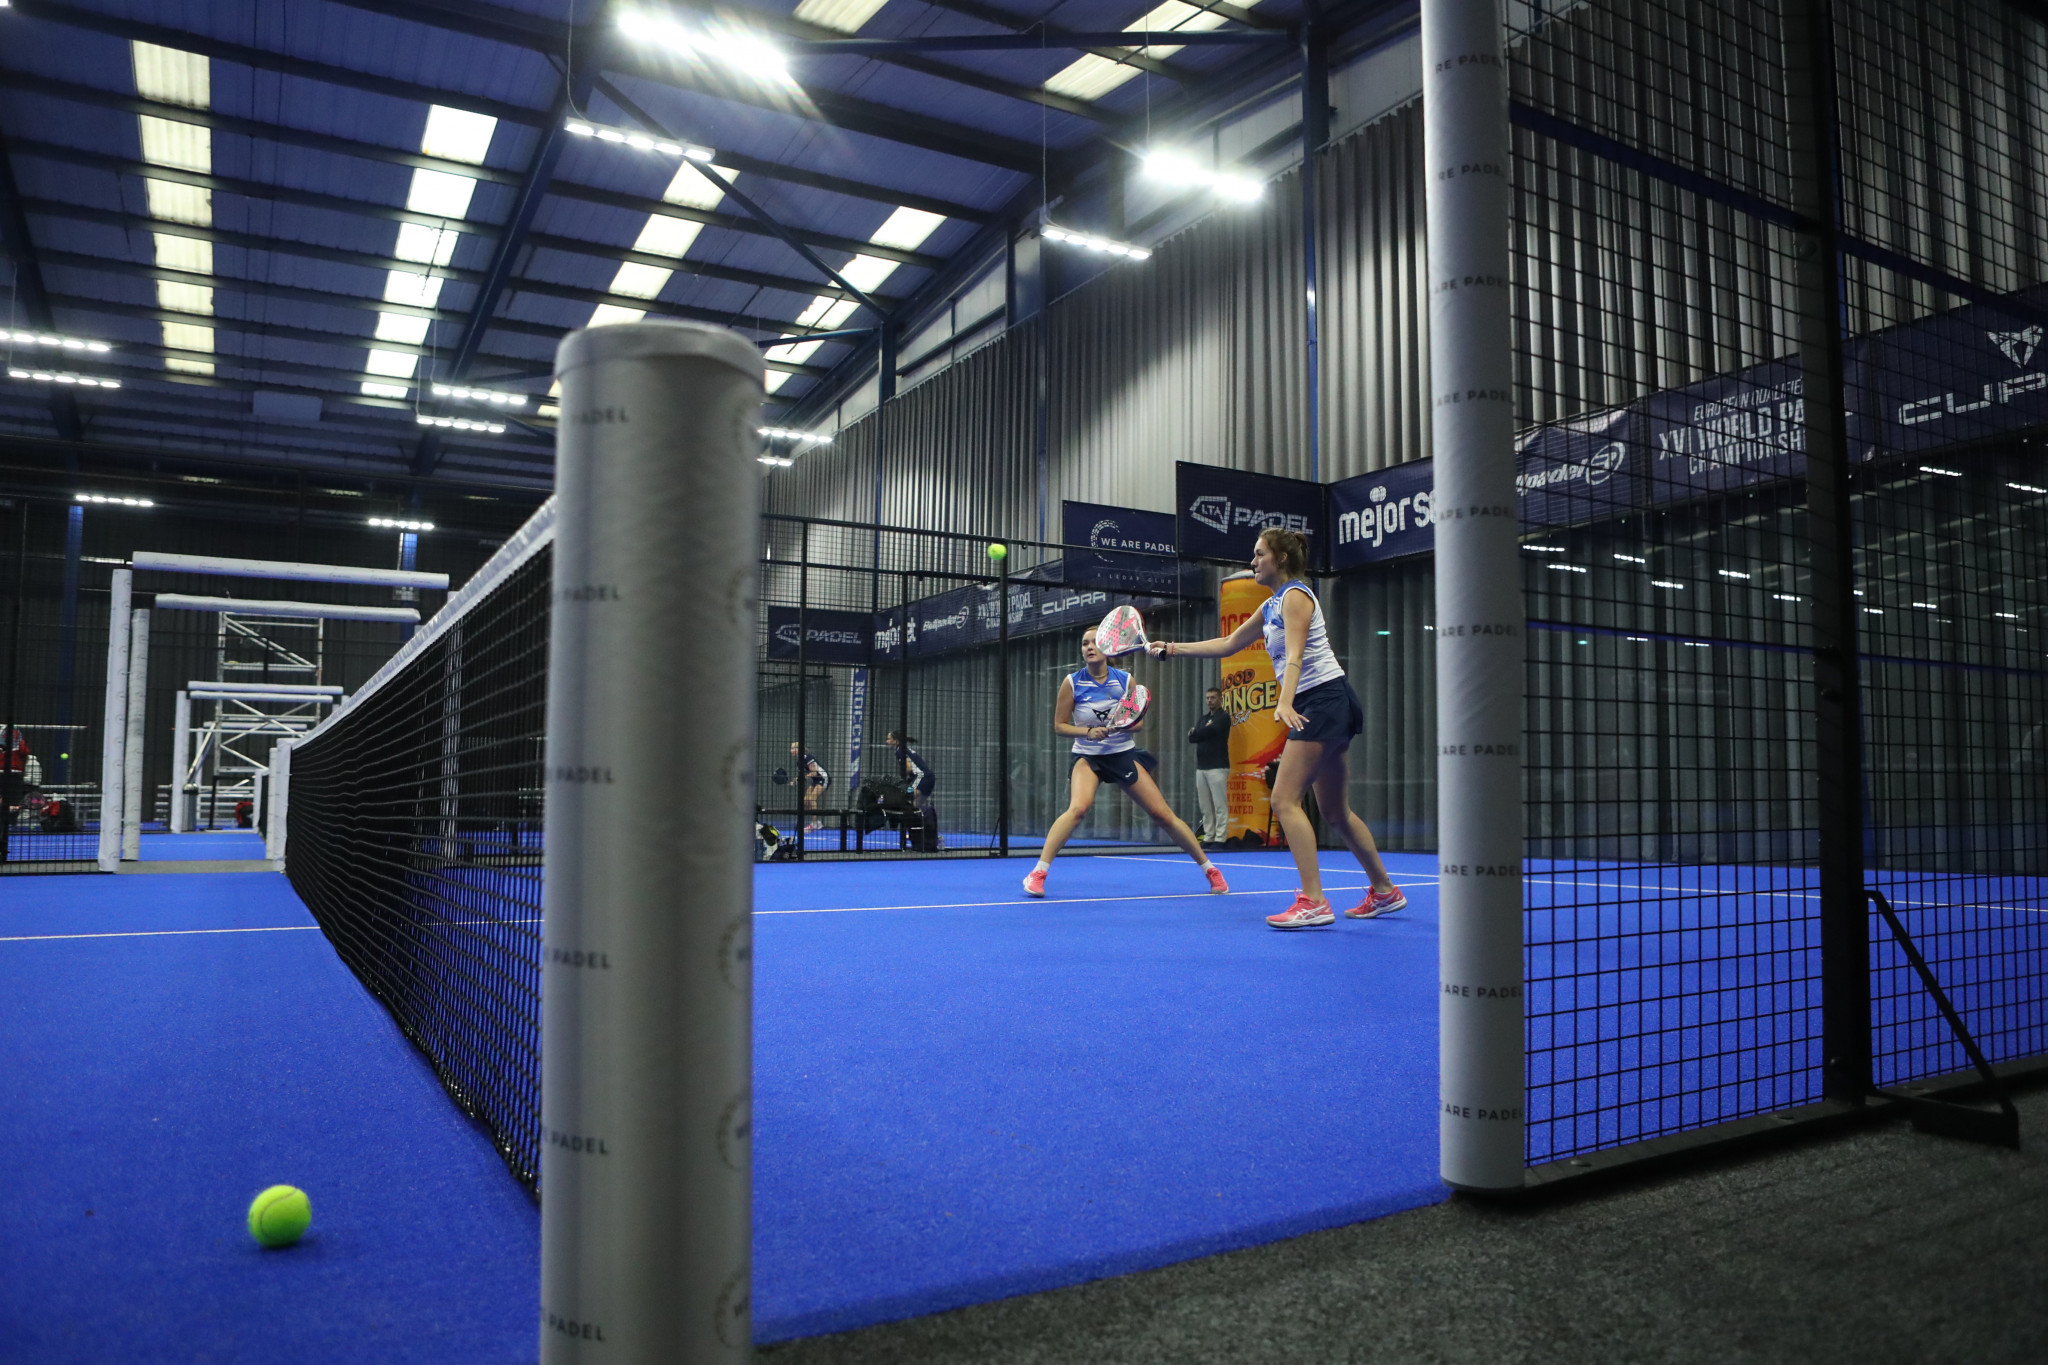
(1726, 433)
(856, 724)
(1586, 469)
(1382, 515)
(835, 637)
(1220, 512)
(1106, 530)
(1975, 372)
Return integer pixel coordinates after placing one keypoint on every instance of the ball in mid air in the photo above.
(997, 550)
(280, 1215)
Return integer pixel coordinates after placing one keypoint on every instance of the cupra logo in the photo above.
(2018, 346)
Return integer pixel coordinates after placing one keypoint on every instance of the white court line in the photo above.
(159, 933)
(1257, 867)
(979, 905)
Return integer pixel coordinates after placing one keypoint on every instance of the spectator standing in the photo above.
(1211, 738)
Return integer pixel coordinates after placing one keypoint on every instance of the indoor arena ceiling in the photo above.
(347, 235)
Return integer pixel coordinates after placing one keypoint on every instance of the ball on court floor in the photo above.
(280, 1215)
(998, 550)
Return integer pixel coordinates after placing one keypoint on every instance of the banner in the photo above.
(1727, 433)
(1961, 376)
(1106, 530)
(1220, 512)
(834, 637)
(856, 725)
(1586, 469)
(1382, 515)
(1249, 695)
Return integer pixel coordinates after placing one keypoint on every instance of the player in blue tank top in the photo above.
(1321, 714)
(1087, 698)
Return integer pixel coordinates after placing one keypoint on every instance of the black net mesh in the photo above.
(415, 840)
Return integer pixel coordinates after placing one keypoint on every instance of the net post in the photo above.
(647, 978)
(132, 811)
(114, 720)
(1003, 707)
(1479, 610)
(1837, 699)
(802, 775)
(277, 808)
(181, 756)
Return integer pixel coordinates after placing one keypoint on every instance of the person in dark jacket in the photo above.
(1211, 738)
(918, 782)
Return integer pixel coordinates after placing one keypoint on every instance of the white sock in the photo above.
(1206, 865)
(1043, 866)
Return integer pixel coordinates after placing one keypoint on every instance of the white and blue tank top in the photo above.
(1318, 661)
(1094, 702)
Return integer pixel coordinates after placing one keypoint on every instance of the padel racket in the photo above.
(1121, 632)
(1132, 708)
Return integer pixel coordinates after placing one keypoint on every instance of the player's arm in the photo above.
(1063, 716)
(1296, 613)
(1217, 648)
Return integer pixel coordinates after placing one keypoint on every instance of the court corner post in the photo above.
(647, 975)
(1479, 611)
(114, 720)
(277, 808)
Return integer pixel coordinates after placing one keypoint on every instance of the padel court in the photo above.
(961, 1094)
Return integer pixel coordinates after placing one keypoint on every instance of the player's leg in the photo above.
(1081, 788)
(1152, 801)
(1299, 762)
(1333, 798)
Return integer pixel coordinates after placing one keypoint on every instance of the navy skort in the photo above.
(1332, 712)
(1122, 769)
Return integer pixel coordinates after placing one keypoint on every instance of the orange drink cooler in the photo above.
(1250, 693)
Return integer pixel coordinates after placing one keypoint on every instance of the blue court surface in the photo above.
(960, 1094)
(220, 845)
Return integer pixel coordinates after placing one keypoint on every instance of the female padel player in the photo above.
(1322, 715)
(1102, 754)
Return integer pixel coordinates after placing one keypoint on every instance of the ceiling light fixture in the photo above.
(463, 395)
(779, 461)
(639, 141)
(393, 524)
(58, 377)
(726, 44)
(1181, 169)
(102, 500)
(791, 434)
(1945, 473)
(1090, 242)
(460, 424)
(2026, 488)
(57, 342)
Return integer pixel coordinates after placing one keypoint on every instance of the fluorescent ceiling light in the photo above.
(844, 15)
(639, 142)
(457, 134)
(439, 193)
(100, 499)
(1946, 473)
(1632, 559)
(2006, 615)
(1089, 242)
(397, 525)
(1784, 597)
(58, 377)
(466, 395)
(2026, 488)
(1731, 573)
(1566, 568)
(1178, 168)
(791, 434)
(372, 389)
(779, 461)
(460, 424)
(1544, 549)
(1667, 583)
(55, 342)
(720, 42)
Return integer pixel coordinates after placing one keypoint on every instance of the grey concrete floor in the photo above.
(1880, 1244)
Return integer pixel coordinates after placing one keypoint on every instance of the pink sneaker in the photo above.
(1217, 886)
(1377, 903)
(1034, 883)
(1303, 914)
